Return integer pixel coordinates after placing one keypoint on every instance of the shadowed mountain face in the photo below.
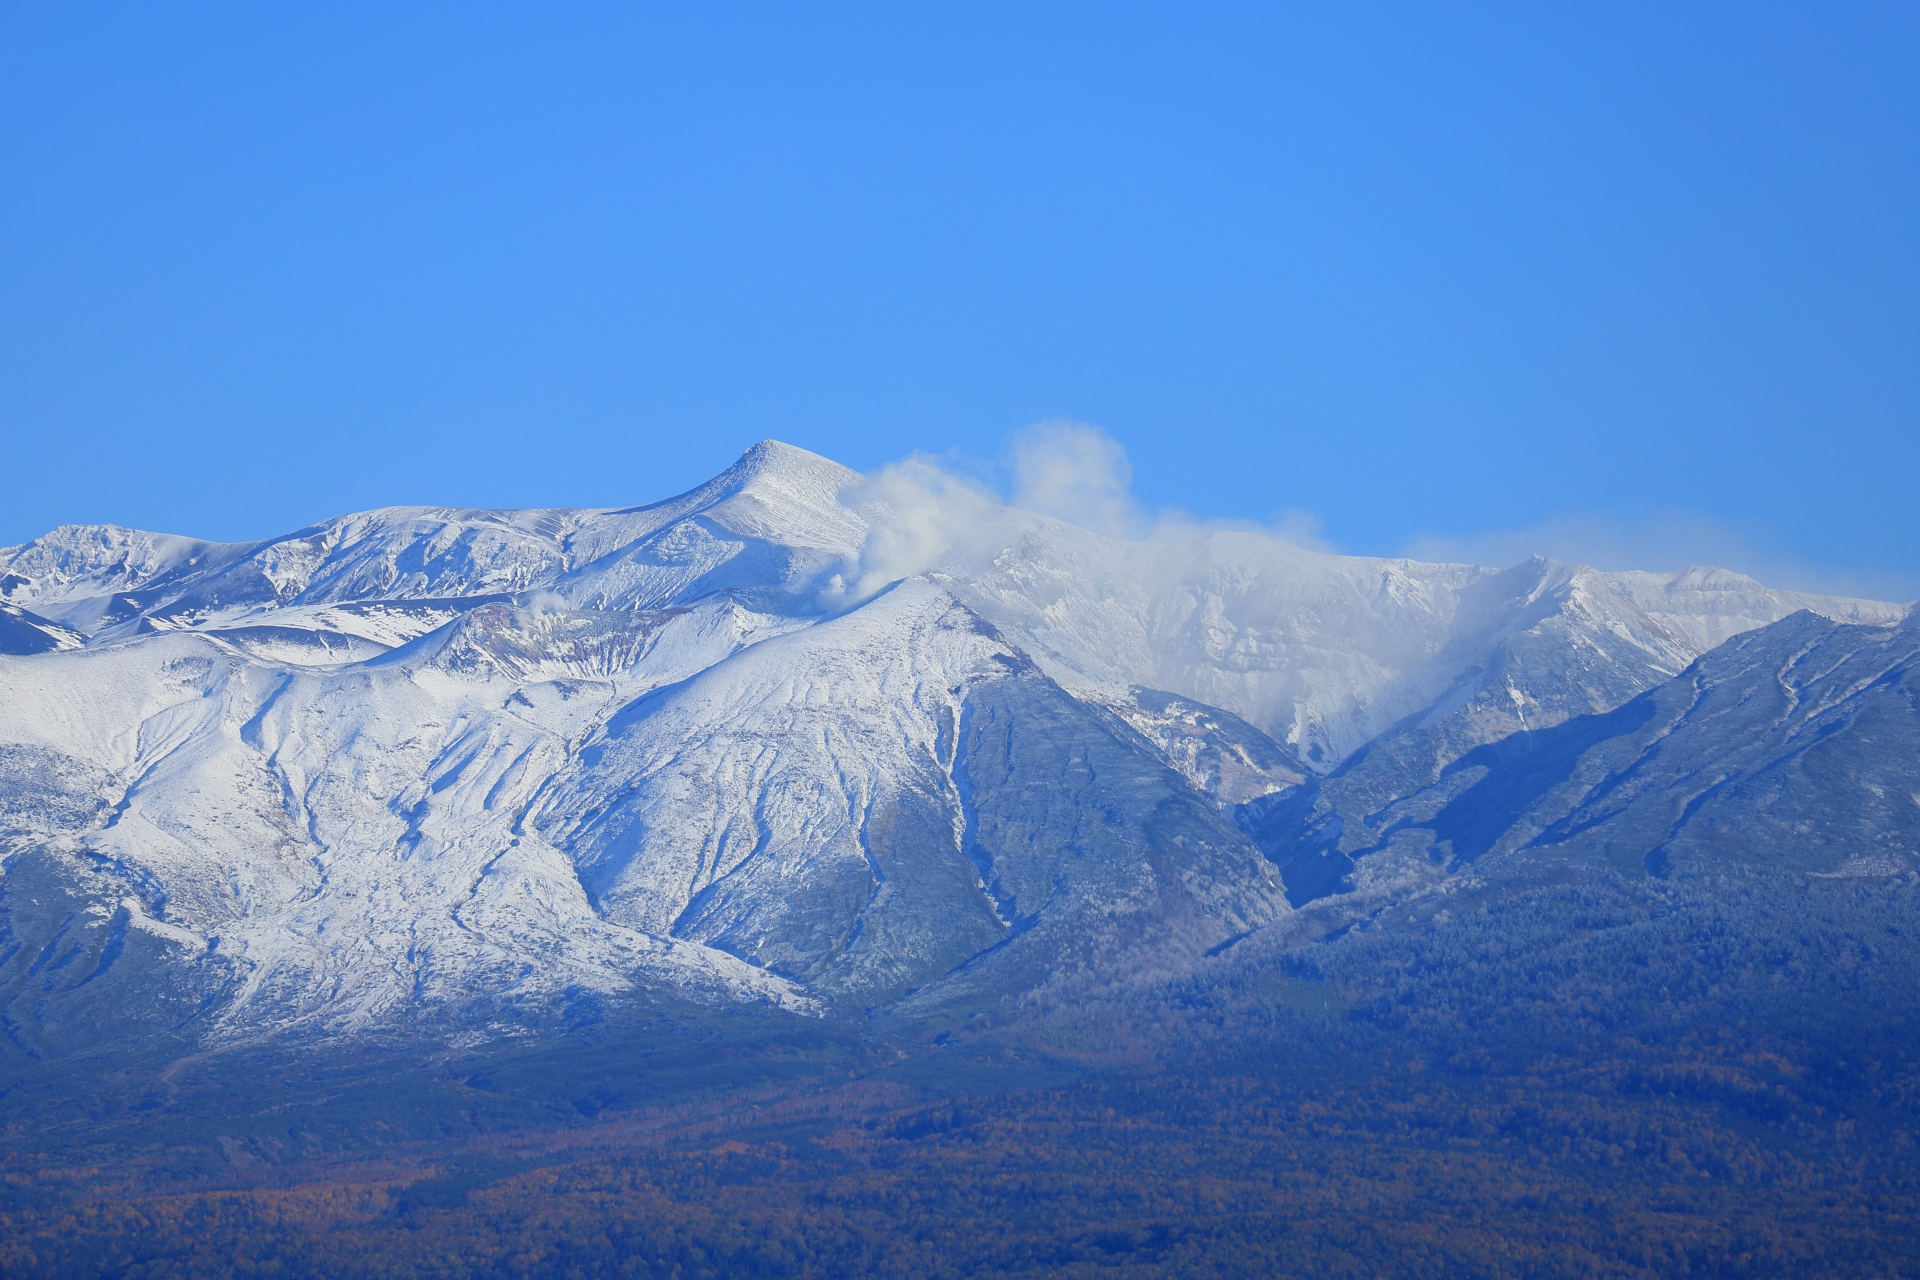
(977, 825)
(1795, 747)
(460, 769)
(23, 633)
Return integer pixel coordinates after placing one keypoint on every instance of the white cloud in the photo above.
(1292, 526)
(1660, 543)
(922, 510)
(1076, 472)
(917, 512)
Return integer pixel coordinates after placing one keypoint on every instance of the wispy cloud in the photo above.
(1661, 543)
(917, 512)
(925, 510)
(1074, 471)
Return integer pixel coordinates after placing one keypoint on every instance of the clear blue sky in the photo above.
(1441, 272)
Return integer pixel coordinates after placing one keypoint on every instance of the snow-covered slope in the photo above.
(763, 524)
(22, 633)
(423, 758)
(1791, 747)
(1326, 652)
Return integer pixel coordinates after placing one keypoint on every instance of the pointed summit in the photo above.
(772, 470)
(786, 494)
(781, 493)
(783, 473)
(782, 502)
(779, 457)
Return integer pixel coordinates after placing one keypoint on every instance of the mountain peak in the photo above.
(782, 493)
(789, 464)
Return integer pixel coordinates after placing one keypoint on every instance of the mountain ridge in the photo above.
(436, 761)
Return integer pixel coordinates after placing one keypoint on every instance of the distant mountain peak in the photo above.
(778, 455)
(785, 473)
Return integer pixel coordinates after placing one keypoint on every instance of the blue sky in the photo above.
(1629, 283)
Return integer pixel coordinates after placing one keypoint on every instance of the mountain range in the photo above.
(806, 740)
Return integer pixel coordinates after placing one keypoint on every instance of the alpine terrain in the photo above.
(817, 875)
(770, 743)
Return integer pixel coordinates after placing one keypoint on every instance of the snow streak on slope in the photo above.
(22, 633)
(835, 832)
(352, 840)
(431, 758)
(1792, 747)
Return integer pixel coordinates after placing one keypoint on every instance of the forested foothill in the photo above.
(1589, 1076)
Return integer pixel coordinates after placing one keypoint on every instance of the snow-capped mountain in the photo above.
(790, 737)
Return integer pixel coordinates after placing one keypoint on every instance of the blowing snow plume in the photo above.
(1076, 472)
(923, 515)
(917, 512)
